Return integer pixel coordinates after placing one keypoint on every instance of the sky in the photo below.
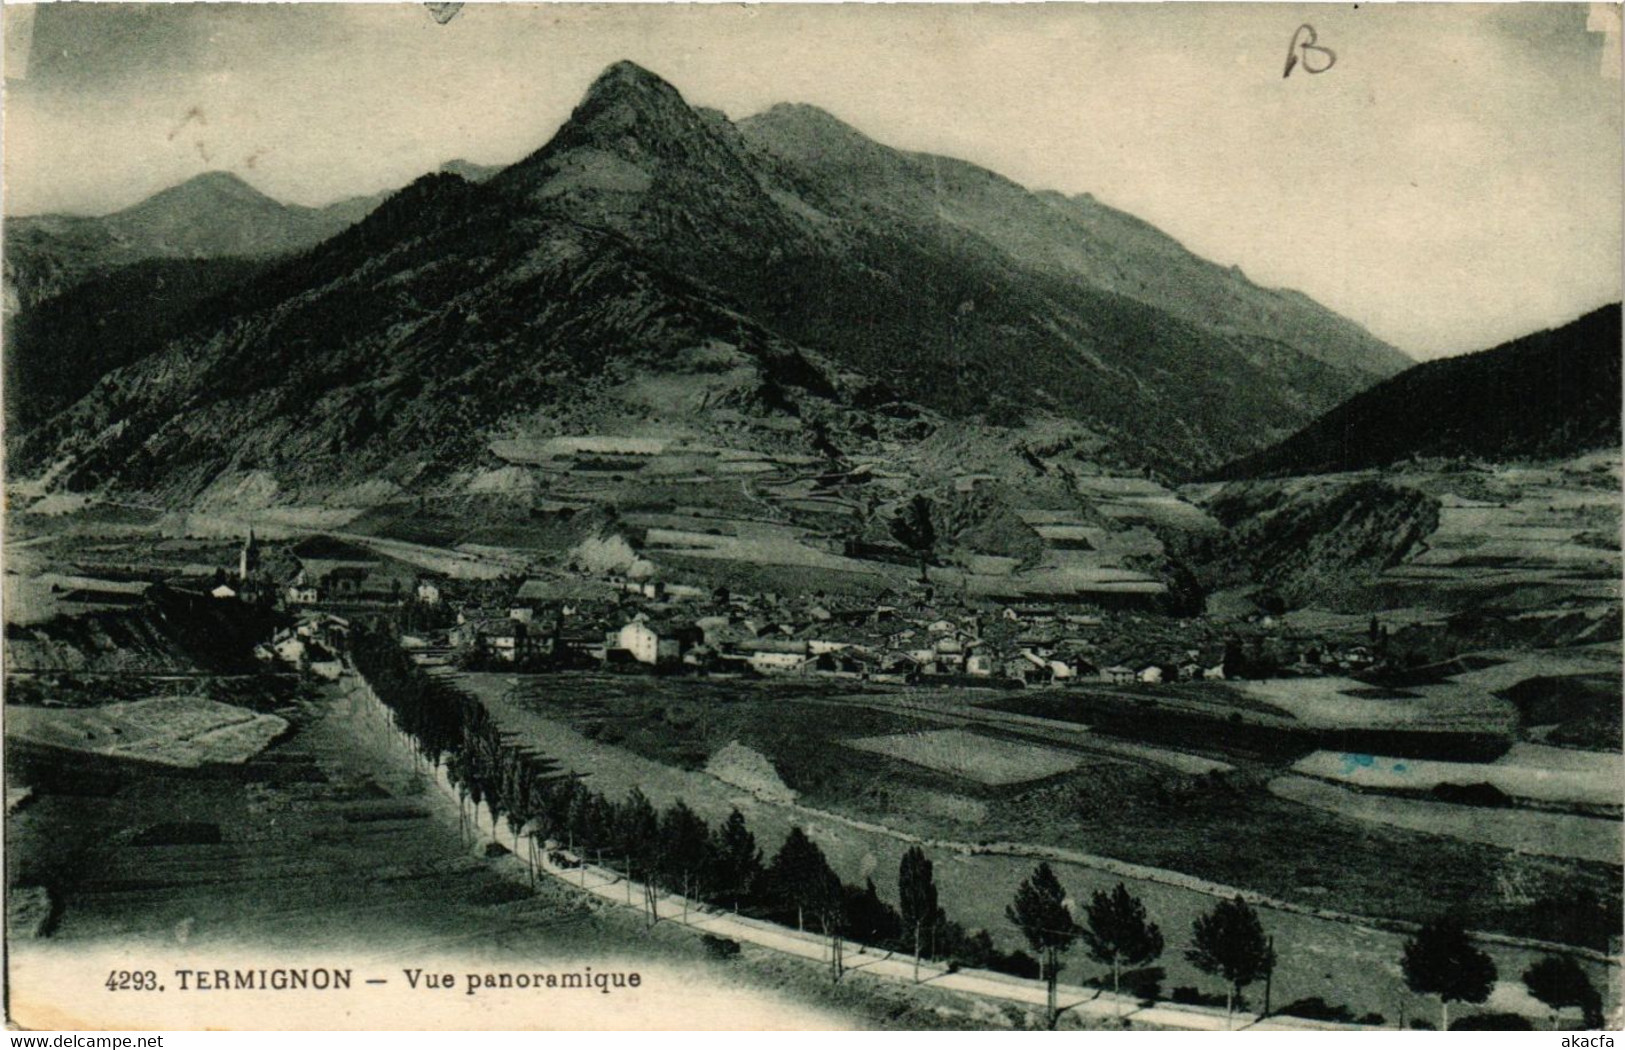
(1453, 180)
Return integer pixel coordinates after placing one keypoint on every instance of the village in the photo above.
(562, 622)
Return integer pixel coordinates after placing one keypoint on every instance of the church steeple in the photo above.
(248, 560)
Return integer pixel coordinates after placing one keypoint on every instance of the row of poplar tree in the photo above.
(676, 851)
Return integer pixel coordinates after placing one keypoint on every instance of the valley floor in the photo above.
(863, 810)
(330, 849)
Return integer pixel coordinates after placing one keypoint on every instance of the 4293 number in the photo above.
(133, 981)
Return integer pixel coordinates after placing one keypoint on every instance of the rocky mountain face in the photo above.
(1316, 543)
(1076, 237)
(1552, 393)
(214, 215)
(57, 349)
(782, 282)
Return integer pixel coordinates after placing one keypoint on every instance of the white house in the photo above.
(777, 663)
(428, 592)
(303, 594)
(1151, 674)
(978, 664)
(651, 643)
(225, 590)
(329, 669)
(290, 649)
(641, 640)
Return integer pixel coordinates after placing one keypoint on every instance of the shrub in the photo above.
(1501, 1022)
(1144, 984)
(720, 947)
(1317, 1009)
(1016, 964)
(1471, 794)
(1189, 996)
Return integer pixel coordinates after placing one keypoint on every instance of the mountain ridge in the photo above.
(1142, 262)
(1550, 393)
(647, 235)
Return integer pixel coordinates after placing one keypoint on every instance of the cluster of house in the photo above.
(570, 620)
(630, 625)
(313, 645)
(332, 571)
(1316, 659)
(942, 649)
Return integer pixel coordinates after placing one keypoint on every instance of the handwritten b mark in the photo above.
(443, 13)
(1305, 40)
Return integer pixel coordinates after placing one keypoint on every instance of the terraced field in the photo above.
(1344, 703)
(1523, 831)
(1527, 771)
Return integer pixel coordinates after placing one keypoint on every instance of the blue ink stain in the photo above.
(1352, 761)
(1400, 767)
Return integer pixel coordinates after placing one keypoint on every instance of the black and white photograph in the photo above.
(1099, 517)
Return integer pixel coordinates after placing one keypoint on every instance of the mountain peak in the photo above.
(628, 126)
(211, 191)
(805, 116)
(816, 137)
(221, 183)
(218, 179)
(627, 72)
(626, 103)
(626, 82)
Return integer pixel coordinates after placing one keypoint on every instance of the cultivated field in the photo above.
(1508, 668)
(1521, 830)
(1338, 703)
(1529, 771)
(986, 760)
(174, 731)
(1214, 820)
